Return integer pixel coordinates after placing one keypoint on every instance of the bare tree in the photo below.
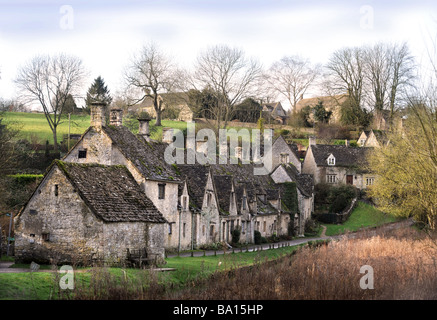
(48, 81)
(230, 75)
(389, 73)
(402, 74)
(150, 74)
(291, 77)
(346, 74)
(378, 68)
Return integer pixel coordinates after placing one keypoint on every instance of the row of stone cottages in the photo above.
(113, 191)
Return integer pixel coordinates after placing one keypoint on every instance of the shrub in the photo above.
(236, 235)
(339, 204)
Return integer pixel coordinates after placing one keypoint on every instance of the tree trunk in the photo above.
(158, 118)
(55, 141)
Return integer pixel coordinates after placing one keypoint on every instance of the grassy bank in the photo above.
(363, 216)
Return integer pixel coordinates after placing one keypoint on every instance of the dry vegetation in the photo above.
(404, 264)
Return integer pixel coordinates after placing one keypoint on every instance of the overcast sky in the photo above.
(105, 34)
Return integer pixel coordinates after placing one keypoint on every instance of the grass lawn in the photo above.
(42, 285)
(33, 126)
(364, 215)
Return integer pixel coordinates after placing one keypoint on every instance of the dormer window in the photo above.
(284, 158)
(331, 160)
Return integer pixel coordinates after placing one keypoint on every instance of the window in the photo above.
(264, 226)
(331, 160)
(284, 158)
(208, 199)
(183, 230)
(244, 202)
(45, 236)
(211, 232)
(331, 178)
(370, 181)
(362, 142)
(82, 154)
(170, 229)
(33, 211)
(56, 190)
(161, 191)
(203, 230)
(184, 202)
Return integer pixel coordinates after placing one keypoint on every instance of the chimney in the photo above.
(116, 117)
(312, 140)
(202, 146)
(143, 128)
(239, 153)
(167, 135)
(97, 114)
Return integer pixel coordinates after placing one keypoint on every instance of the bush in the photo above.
(339, 204)
(236, 235)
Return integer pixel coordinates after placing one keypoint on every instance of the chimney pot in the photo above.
(312, 141)
(143, 128)
(116, 117)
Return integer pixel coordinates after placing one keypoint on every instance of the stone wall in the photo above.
(57, 227)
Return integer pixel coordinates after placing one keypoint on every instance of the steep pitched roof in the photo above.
(111, 192)
(223, 187)
(304, 182)
(328, 101)
(196, 177)
(344, 156)
(148, 157)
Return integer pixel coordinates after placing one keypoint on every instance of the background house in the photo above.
(331, 103)
(336, 164)
(275, 112)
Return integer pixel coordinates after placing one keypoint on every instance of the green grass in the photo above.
(42, 285)
(364, 215)
(34, 126)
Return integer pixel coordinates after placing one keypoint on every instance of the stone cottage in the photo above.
(164, 207)
(81, 213)
(334, 164)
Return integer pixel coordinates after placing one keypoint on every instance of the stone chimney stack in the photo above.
(312, 140)
(239, 153)
(167, 135)
(116, 117)
(202, 146)
(143, 128)
(97, 114)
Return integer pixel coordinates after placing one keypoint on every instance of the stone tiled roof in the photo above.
(344, 156)
(111, 192)
(196, 176)
(224, 175)
(223, 186)
(148, 157)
